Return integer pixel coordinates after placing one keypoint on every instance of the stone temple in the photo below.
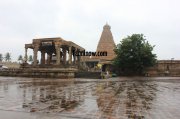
(57, 59)
(105, 44)
(59, 52)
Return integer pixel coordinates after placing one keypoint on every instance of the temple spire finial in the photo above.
(106, 26)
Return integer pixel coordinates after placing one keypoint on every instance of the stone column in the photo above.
(78, 60)
(48, 58)
(70, 55)
(26, 57)
(75, 56)
(57, 54)
(64, 55)
(36, 47)
(42, 57)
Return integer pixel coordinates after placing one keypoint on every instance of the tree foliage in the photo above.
(20, 58)
(7, 57)
(134, 54)
(1, 57)
(30, 59)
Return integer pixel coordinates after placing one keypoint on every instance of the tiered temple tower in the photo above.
(106, 43)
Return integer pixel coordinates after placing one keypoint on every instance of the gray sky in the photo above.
(82, 21)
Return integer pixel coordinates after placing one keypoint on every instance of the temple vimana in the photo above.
(106, 43)
(57, 59)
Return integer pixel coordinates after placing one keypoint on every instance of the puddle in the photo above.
(107, 99)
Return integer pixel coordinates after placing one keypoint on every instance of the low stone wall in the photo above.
(40, 72)
(10, 64)
(156, 72)
(165, 68)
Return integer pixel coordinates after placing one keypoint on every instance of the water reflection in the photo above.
(51, 96)
(120, 99)
(129, 98)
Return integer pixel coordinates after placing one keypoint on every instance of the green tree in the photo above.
(8, 57)
(20, 59)
(134, 54)
(30, 59)
(1, 57)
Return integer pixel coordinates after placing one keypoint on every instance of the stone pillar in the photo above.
(25, 57)
(57, 54)
(78, 60)
(36, 47)
(64, 55)
(42, 57)
(75, 56)
(48, 58)
(70, 55)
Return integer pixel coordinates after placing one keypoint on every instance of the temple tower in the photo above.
(106, 43)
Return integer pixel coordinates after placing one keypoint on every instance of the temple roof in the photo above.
(54, 39)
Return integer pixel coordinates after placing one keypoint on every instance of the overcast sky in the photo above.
(82, 21)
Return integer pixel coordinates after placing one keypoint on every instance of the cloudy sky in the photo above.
(82, 21)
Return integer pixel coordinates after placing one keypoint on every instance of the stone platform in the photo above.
(40, 72)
